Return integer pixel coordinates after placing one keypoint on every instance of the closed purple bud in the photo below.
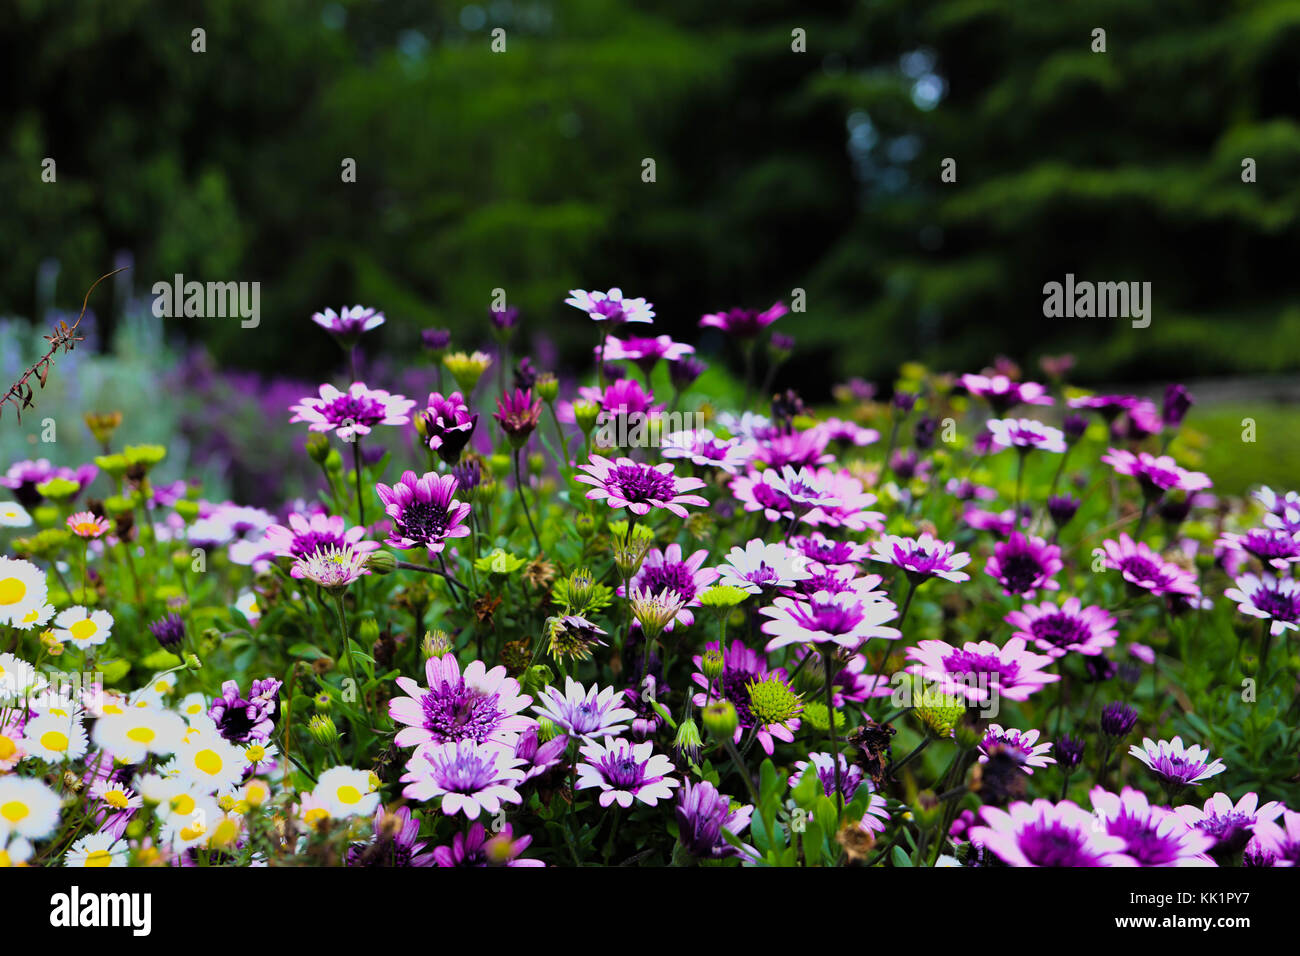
(904, 401)
(1117, 719)
(1177, 401)
(684, 371)
(924, 432)
(435, 340)
(1069, 751)
(1062, 508)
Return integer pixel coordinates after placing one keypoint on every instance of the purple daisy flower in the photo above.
(306, 533)
(584, 713)
(743, 323)
(518, 415)
(1109, 407)
(1283, 510)
(846, 619)
(999, 522)
(22, 478)
(424, 511)
(639, 487)
(446, 425)
(1026, 434)
(610, 306)
(477, 849)
(349, 323)
(1022, 565)
(741, 667)
(1276, 600)
(803, 449)
(980, 670)
(705, 449)
(471, 778)
(828, 552)
(1046, 834)
(1268, 545)
(480, 705)
(1146, 570)
(1276, 843)
(1155, 474)
(702, 815)
(823, 764)
(1021, 746)
(1176, 765)
(845, 504)
(395, 842)
(621, 398)
(923, 557)
(539, 758)
(352, 413)
(646, 352)
(1230, 827)
(848, 433)
(760, 566)
(667, 570)
(1003, 394)
(1059, 629)
(624, 772)
(241, 720)
(1153, 836)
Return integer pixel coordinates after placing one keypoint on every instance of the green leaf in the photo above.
(900, 857)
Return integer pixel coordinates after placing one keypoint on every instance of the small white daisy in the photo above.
(97, 849)
(83, 627)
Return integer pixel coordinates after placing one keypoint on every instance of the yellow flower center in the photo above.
(12, 590)
(14, 810)
(208, 761)
(115, 798)
(141, 735)
(54, 740)
(7, 747)
(182, 804)
(349, 794)
(99, 858)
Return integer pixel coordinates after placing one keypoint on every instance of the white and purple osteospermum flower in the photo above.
(1283, 510)
(1026, 434)
(352, 413)
(1002, 393)
(610, 306)
(847, 504)
(1276, 600)
(923, 557)
(703, 814)
(585, 713)
(1155, 473)
(1023, 564)
(846, 619)
(666, 570)
(1145, 569)
(639, 487)
(471, 778)
(761, 565)
(645, 352)
(480, 705)
(350, 322)
(305, 533)
(1020, 745)
(1269, 546)
(1229, 826)
(1176, 764)
(1153, 836)
(829, 552)
(743, 323)
(1276, 842)
(424, 510)
(981, 670)
(1060, 629)
(330, 567)
(823, 764)
(705, 449)
(1043, 833)
(625, 771)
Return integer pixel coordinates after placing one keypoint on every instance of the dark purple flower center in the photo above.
(623, 771)
(637, 483)
(1279, 606)
(676, 577)
(1021, 572)
(970, 662)
(735, 690)
(1054, 844)
(309, 541)
(460, 712)
(423, 521)
(1060, 630)
(1143, 841)
(356, 410)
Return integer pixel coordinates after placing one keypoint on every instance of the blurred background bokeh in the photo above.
(774, 170)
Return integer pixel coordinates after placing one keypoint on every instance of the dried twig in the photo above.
(63, 337)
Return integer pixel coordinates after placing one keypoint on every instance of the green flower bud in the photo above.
(368, 631)
(381, 562)
(146, 455)
(435, 644)
(188, 510)
(688, 740)
(318, 447)
(193, 663)
(713, 664)
(114, 466)
(500, 465)
(334, 462)
(58, 489)
(547, 387)
(323, 702)
(586, 413)
(720, 719)
(322, 729)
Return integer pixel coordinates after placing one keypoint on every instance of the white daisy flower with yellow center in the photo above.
(17, 677)
(13, 515)
(55, 738)
(162, 685)
(110, 703)
(210, 762)
(38, 616)
(83, 627)
(193, 706)
(15, 852)
(345, 792)
(97, 849)
(312, 812)
(224, 832)
(132, 735)
(190, 819)
(28, 808)
(255, 793)
(22, 589)
(260, 752)
(12, 750)
(247, 605)
(116, 796)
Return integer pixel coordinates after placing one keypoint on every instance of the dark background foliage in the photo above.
(775, 170)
